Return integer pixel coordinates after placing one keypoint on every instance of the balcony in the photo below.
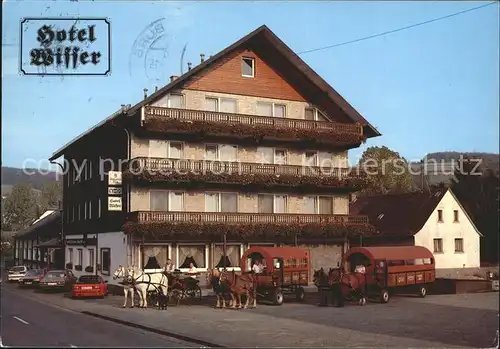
(253, 176)
(248, 226)
(258, 128)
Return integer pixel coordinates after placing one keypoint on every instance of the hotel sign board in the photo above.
(114, 203)
(114, 178)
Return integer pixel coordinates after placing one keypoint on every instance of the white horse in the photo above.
(127, 283)
(144, 282)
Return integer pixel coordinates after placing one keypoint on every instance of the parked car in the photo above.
(57, 280)
(90, 286)
(17, 272)
(32, 278)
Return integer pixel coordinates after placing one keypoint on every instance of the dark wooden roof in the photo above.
(264, 40)
(51, 224)
(396, 215)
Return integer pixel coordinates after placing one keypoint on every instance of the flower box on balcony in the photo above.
(69, 265)
(89, 269)
(78, 267)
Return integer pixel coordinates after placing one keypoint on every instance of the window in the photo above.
(438, 245)
(455, 216)
(268, 155)
(70, 250)
(440, 215)
(221, 152)
(318, 158)
(187, 254)
(163, 200)
(268, 203)
(175, 101)
(90, 169)
(233, 255)
(91, 258)
(318, 204)
(175, 150)
(90, 209)
(221, 202)
(85, 210)
(459, 245)
(99, 208)
(223, 105)
(158, 148)
(155, 257)
(105, 261)
(79, 212)
(212, 104)
(314, 114)
(271, 109)
(72, 213)
(228, 105)
(247, 67)
(79, 261)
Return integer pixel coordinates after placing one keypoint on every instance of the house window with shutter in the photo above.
(268, 203)
(221, 202)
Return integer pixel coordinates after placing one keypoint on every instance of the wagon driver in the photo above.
(258, 267)
(169, 267)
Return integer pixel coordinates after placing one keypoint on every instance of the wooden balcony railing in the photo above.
(141, 164)
(208, 116)
(242, 218)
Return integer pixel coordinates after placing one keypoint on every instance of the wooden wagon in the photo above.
(286, 271)
(390, 269)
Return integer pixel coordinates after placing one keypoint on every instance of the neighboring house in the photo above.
(39, 245)
(230, 147)
(436, 221)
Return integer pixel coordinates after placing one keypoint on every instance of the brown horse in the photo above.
(240, 285)
(221, 288)
(344, 286)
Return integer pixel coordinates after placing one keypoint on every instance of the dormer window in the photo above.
(314, 114)
(247, 67)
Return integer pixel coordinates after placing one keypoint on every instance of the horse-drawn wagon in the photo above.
(285, 271)
(388, 269)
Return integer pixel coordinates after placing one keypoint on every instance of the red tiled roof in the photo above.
(397, 215)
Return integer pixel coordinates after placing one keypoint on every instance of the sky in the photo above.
(426, 89)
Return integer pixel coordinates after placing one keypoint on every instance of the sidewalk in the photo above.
(290, 325)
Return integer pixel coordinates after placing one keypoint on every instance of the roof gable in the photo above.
(397, 215)
(225, 77)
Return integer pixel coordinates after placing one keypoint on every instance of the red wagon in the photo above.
(286, 270)
(392, 269)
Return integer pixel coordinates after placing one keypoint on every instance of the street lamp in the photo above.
(63, 239)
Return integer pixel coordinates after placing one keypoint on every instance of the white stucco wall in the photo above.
(448, 230)
(115, 241)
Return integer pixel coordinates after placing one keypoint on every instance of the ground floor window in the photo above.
(91, 258)
(70, 251)
(187, 254)
(105, 261)
(80, 257)
(233, 255)
(155, 256)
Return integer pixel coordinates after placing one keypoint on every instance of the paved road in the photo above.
(28, 322)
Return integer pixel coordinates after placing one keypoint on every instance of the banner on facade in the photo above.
(83, 242)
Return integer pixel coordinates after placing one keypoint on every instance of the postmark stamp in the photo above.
(65, 46)
(150, 52)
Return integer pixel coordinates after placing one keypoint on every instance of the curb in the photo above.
(155, 330)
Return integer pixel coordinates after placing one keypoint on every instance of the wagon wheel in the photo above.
(422, 291)
(194, 292)
(176, 295)
(384, 296)
(277, 297)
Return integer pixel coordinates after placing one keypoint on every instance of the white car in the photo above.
(17, 272)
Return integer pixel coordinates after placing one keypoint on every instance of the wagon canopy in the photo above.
(270, 253)
(391, 252)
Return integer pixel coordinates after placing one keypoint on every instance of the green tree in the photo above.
(478, 193)
(50, 196)
(20, 207)
(387, 172)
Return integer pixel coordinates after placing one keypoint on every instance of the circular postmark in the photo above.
(150, 52)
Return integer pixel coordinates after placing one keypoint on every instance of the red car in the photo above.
(32, 278)
(90, 286)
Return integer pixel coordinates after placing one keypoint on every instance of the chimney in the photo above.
(173, 78)
(145, 93)
(189, 66)
(202, 57)
(156, 88)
